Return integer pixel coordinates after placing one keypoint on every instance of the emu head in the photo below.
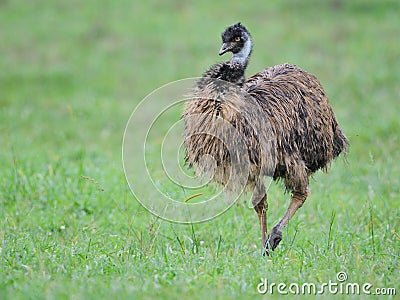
(236, 39)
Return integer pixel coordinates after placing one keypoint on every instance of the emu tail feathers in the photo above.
(340, 142)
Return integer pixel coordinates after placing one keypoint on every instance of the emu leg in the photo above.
(296, 202)
(259, 201)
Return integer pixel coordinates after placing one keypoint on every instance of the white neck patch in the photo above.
(242, 56)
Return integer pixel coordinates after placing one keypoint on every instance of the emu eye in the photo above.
(237, 39)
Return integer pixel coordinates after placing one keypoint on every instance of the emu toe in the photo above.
(273, 240)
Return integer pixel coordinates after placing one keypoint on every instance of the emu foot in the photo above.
(272, 240)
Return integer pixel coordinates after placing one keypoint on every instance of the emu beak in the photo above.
(224, 48)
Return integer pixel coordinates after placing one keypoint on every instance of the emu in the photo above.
(296, 121)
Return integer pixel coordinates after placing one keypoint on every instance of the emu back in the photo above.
(308, 136)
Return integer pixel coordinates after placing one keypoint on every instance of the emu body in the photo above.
(284, 117)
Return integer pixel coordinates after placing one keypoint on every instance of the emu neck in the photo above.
(243, 56)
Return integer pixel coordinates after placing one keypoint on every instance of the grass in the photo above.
(72, 72)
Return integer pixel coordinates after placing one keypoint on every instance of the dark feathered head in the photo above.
(234, 38)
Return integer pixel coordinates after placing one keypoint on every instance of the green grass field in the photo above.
(71, 73)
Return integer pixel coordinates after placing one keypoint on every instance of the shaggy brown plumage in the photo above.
(308, 136)
(276, 123)
(226, 123)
